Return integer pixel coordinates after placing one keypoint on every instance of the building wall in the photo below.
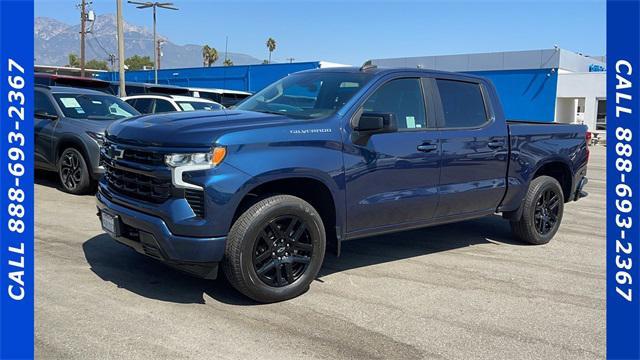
(250, 78)
(588, 86)
(525, 94)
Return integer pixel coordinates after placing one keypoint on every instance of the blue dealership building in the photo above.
(536, 85)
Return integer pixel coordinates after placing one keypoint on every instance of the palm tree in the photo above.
(271, 45)
(205, 55)
(228, 62)
(209, 55)
(73, 60)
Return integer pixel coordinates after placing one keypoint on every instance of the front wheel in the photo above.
(74, 172)
(543, 206)
(275, 249)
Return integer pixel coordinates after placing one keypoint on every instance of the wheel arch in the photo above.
(318, 192)
(559, 170)
(556, 168)
(74, 142)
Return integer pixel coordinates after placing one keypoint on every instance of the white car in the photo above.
(222, 96)
(160, 103)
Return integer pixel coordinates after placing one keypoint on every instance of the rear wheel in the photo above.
(543, 207)
(275, 249)
(74, 172)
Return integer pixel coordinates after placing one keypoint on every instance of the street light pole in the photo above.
(154, 5)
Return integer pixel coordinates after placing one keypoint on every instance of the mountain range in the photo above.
(55, 40)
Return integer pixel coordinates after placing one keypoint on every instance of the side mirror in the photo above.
(44, 115)
(370, 122)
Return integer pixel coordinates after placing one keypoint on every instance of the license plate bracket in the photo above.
(110, 223)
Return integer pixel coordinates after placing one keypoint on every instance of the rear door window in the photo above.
(462, 104)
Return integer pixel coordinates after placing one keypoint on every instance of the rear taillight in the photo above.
(587, 137)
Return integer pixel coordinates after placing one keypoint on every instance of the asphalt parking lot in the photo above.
(457, 291)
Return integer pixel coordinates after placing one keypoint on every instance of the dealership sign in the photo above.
(623, 180)
(16, 179)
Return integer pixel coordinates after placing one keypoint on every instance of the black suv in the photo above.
(69, 129)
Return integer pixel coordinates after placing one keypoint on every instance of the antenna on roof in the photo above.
(368, 65)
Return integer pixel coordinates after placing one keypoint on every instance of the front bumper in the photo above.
(149, 235)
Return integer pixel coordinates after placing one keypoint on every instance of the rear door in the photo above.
(474, 149)
(392, 178)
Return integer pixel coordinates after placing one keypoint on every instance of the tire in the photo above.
(270, 258)
(74, 172)
(542, 213)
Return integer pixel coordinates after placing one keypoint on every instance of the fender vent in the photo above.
(195, 198)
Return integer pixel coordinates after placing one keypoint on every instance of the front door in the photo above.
(392, 178)
(44, 129)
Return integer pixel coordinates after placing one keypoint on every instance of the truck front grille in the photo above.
(141, 174)
(136, 185)
(143, 157)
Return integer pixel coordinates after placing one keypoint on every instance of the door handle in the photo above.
(495, 144)
(427, 147)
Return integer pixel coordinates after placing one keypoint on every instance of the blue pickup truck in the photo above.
(324, 156)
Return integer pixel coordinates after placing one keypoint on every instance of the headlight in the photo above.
(212, 158)
(99, 138)
(181, 163)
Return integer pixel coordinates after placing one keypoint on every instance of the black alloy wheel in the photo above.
(546, 211)
(282, 251)
(541, 211)
(275, 249)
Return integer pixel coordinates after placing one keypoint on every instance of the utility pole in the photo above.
(122, 92)
(83, 19)
(291, 60)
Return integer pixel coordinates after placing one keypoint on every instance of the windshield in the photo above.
(94, 107)
(310, 95)
(198, 105)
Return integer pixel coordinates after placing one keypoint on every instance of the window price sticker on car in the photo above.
(623, 180)
(16, 179)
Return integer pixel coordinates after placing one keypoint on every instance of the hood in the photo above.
(188, 129)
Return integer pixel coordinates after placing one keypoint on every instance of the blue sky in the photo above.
(353, 31)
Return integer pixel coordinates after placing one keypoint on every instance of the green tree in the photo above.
(271, 45)
(97, 65)
(228, 62)
(137, 62)
(209, 55)
(73, 60)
